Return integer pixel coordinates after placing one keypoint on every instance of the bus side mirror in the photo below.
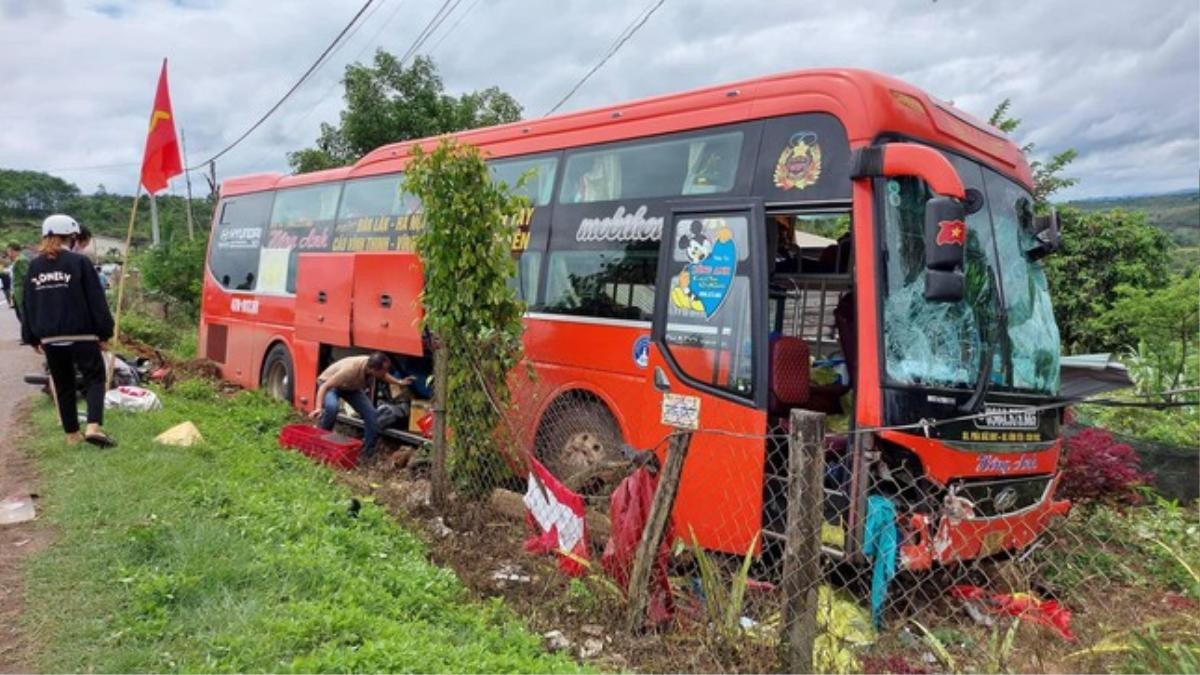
(945, 249)
(1046, 233)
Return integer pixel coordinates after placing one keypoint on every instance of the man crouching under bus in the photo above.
(350, 379)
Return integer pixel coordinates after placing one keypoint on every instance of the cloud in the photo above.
(1118, 81)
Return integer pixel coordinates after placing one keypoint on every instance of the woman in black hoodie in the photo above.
(67, 319)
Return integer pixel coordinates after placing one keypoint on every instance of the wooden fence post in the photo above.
(656, 525)
(802, 551)
(439, 481)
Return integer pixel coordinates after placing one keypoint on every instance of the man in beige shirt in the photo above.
(350, 379)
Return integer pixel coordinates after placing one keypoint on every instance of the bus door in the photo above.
(707, 361)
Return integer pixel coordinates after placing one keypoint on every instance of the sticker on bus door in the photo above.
(709, 247)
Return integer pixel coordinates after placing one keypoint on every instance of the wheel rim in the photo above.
(277, 380)
(581, 451)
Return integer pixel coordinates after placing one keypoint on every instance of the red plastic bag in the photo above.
(629, 509)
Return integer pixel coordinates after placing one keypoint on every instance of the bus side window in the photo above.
(525, 282)
(301, 220)
(240, 229)
(609, 283)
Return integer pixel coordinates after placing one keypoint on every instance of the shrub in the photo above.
(1097, 467)
(147, 329)
(174, 272)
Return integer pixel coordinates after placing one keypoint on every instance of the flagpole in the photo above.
(153, 221)
(187, 177)
(121, 279)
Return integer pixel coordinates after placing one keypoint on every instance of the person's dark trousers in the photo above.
(63, 360)
(362, 405)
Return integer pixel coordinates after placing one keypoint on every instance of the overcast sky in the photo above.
(1117, 80)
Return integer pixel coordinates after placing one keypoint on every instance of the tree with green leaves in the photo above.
(1047, 175)
(388, 102)
(1102, 251)
(33, 193)
(470, 309)
(1162, 325)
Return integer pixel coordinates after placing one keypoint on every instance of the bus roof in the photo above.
(869, 104)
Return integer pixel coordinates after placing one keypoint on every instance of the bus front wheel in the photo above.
(578, 442)
(278, 374)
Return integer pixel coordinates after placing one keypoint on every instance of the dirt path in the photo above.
(17, 475)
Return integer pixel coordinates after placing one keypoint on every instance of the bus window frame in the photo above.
(743, 180)
(219, 222)
(755, 213)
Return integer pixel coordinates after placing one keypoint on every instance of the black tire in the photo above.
(576, 437)
(278, 376)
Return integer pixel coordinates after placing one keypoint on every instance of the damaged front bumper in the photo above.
(948, 539)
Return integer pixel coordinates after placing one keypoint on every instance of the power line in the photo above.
(311, 69)
(454, 25)
(430, 27)
(368, 43)
(620, 42)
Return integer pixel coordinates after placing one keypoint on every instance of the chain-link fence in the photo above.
(812, 545)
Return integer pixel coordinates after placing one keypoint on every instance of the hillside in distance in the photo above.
(1177, 213)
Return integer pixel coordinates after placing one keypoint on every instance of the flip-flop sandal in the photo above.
(100, 440)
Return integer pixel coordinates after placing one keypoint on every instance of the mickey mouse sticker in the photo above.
(711, 252)
(799, 164)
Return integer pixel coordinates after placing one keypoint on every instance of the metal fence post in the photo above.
(656, 525)
(439, 482)
(802, 550)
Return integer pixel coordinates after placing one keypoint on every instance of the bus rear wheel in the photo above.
(278, 374)
(578, 443)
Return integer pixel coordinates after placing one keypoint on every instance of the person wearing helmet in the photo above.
(67, 319)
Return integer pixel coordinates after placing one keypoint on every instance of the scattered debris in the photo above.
(592, 630)
(556, 641)
(183, 435)
(16, 508)
(21, 543)
(438, 525)
(591, 648)
(1024, 605)
(510, 572)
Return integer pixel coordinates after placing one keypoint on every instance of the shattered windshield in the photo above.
(1032, 331)
(941, 344)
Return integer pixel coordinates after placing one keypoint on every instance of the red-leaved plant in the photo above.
(1097, 467)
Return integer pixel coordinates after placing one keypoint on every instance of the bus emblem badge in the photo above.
(799, 164)
(641, 351)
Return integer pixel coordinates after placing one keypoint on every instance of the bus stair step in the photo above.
(831, 552)
(406, 437)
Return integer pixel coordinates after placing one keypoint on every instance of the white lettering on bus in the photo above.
(621, 226)
(244, 305)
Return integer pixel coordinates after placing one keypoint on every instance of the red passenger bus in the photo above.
(831, 239)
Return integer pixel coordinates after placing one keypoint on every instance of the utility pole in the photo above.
(187, 176)
(212, 180)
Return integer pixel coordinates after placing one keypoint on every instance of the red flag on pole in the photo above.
(161, 160)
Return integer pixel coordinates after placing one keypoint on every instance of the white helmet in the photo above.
(59, 224)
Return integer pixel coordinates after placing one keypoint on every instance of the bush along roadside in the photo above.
(233, 555)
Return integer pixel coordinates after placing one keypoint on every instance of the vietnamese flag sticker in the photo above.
(952, 232)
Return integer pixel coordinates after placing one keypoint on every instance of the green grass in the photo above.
(236, 556)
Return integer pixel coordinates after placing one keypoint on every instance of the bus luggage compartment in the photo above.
(324, 283)
(387, 302)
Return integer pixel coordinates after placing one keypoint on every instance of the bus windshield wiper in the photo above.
(982, 384)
